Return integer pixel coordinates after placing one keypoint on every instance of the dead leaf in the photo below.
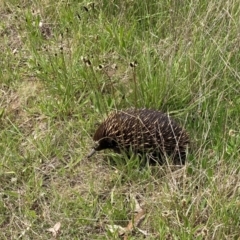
(55, 229)
(143, 232)
(137, 218)
(133, 223)
(113, 228)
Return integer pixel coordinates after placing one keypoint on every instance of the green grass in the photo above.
(51, 102)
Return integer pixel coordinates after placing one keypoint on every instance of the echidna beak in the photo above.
(93, 150)
(91, 153)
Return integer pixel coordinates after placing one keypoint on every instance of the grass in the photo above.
(58, 80)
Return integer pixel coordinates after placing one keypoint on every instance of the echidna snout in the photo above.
(101, 144)
(144, 131)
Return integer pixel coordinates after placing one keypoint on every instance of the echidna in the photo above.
(142, 131)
